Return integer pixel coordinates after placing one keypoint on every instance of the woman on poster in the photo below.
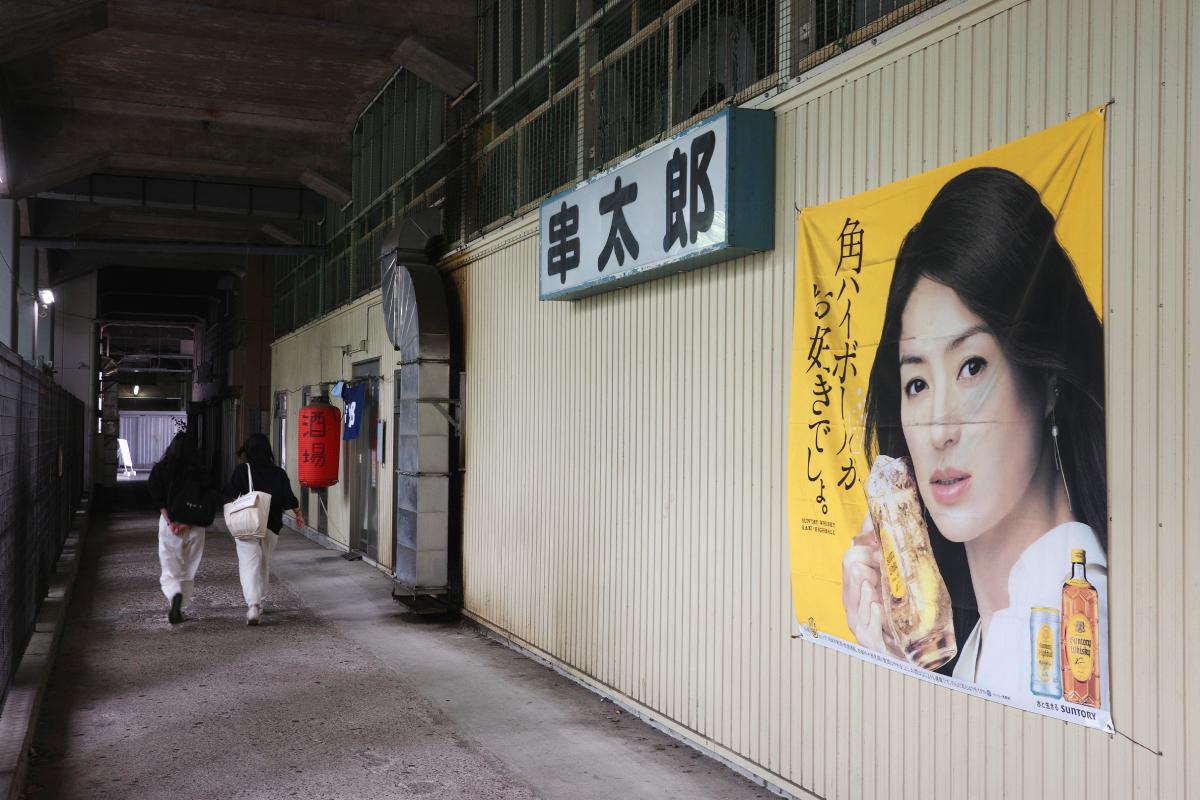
(989, 378)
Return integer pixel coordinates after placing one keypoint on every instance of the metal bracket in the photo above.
(443, 408)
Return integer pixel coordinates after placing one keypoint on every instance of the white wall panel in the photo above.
(626, 488)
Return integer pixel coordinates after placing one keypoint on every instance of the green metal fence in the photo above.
(565, 88)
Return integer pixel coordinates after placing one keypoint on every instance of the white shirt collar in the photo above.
(1046, 564)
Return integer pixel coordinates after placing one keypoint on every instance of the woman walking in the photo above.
(254, 555)
(183, 493)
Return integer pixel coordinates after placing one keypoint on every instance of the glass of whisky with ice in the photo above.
(915, 601)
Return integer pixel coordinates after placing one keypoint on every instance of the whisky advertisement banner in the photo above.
(947, 492)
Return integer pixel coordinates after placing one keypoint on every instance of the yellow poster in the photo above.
(947, 494)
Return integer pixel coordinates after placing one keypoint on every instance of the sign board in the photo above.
(354, 398)
(703, 196)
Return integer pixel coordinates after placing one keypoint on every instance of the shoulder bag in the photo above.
(246, 517)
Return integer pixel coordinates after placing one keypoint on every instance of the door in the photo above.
(362, 467)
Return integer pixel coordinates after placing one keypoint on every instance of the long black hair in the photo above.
(258, 450)
(181, 455)
(988, 236)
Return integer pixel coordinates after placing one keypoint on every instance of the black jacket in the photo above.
(267, 478)
(165, 479)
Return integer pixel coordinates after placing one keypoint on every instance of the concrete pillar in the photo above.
(75, 352)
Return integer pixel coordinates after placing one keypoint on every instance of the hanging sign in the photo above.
(703, 196)
(353, 398)
(319, 445)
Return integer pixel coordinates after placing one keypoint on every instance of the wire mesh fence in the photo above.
(41, 480)
(566, 88)
(632, 98)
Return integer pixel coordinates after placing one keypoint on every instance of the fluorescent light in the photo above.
(46, 296)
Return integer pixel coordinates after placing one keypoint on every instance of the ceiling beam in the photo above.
(413, 55)
(30, 180)
(278, 233)
(187, 112)
(326, 187)
(66, 265)
(199, 73)
(25, 30)
(68, 219)
(229, 24)
(207, 248)
(373, 36)
(201, 222)
(137, 225)
(172, 164)
(58, 146)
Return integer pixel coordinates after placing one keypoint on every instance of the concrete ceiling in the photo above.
(261, 92)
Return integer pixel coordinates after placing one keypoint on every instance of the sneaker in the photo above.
(175, 615)
(252, 615)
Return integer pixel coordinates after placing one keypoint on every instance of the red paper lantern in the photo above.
(320, 445)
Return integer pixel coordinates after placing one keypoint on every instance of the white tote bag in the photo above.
(246, 517)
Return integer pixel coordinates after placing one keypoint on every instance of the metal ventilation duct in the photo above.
(418, 324)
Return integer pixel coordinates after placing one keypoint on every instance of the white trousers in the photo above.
(254, 567)
(179, 557)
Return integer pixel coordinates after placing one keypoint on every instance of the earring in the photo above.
(1058, 456)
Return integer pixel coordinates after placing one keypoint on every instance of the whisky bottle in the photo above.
(1080, 636)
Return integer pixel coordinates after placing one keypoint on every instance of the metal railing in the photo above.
(566, 88)
(41, 480)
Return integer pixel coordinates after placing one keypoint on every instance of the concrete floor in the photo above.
(337, 695)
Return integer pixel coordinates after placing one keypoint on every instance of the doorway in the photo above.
(362, 465)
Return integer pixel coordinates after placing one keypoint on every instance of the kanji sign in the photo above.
(676, 206)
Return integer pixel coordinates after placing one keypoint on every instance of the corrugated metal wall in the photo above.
(149, 434)
(625, 486)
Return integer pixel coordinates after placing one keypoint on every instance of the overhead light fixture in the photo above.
(46, 296)
(136, 389)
